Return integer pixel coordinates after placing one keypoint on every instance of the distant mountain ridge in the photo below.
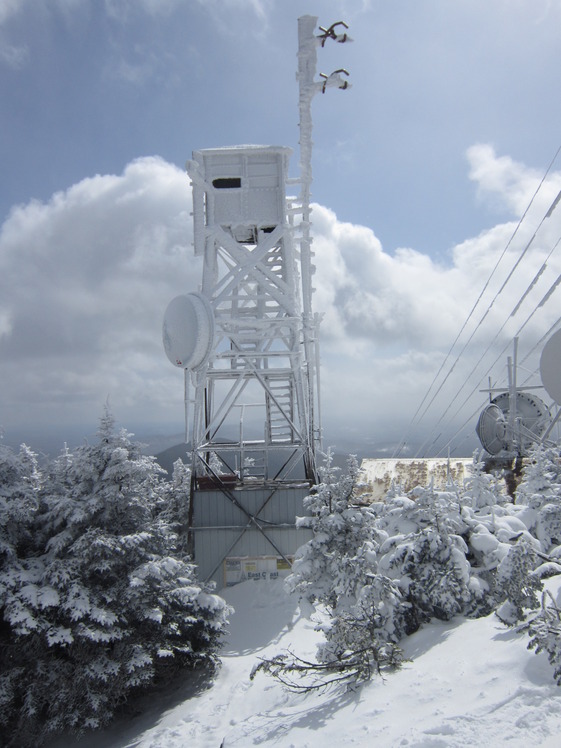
(168, 456)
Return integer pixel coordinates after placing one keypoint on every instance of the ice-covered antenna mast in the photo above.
(248, 343)
(308, 43)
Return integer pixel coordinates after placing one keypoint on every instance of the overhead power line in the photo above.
(418, 416)
(539, 305)
(512, 314)
(472, 311)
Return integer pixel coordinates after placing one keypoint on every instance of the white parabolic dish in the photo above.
(188, 331)
(550, 367)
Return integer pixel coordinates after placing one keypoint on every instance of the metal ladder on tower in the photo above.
(280, 410)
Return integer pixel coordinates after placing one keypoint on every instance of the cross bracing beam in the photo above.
(248, 265)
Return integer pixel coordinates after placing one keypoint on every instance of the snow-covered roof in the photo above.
(249, 147)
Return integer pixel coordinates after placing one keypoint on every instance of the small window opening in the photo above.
(227, 183)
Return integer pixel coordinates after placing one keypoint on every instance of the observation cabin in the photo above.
(245, 190)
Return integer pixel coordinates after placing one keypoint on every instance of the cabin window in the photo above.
(227, 183)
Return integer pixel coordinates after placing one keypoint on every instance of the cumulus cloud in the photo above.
(84, 280)
(505, 182)
(86, 276)
(12, 55)
(371, 295)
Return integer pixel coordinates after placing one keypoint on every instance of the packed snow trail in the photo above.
(468, 682)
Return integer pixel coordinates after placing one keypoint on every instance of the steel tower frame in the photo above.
(260, 368)
(248, 342)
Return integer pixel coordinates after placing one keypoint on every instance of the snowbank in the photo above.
(468, 682)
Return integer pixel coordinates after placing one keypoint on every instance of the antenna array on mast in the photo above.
(248, 341)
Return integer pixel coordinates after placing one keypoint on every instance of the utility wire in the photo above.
(531, 376)
(476, 304)
(490, 306)
(543, 301)
(512, 314)
(541, 340)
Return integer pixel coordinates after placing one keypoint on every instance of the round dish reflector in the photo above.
(188, 331)
(491, 429)
(550, 367)
(497, 432)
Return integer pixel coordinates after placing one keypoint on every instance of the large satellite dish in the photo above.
(550, 367)
(491, 429)
(500, 430)
(188, 331)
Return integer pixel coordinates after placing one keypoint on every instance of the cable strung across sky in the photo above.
(421, 412)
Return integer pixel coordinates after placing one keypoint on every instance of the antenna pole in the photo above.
(514, 425)
(307, 61)
(187, 374)
(308, 88)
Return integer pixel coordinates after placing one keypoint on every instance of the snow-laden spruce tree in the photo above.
(326, 569)
(489, 525)
(518, 583)
(361, 612)
(426, 555)
(503, 550)
(175, 510)
(540, 492)
(541, 477)
(108, 604)
(481, 488)
(20, 483)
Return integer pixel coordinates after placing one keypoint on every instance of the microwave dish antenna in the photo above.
(188, 331)
(491, 429)
(499, 431)
(550, 367)
(514, 419)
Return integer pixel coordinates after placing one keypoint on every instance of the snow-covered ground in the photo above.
(468, 683)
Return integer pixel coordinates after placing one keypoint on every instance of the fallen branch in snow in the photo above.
(350, 669)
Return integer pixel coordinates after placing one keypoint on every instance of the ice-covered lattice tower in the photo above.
(252, 397)
(248, 341)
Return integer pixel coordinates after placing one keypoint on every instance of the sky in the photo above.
(423, 170)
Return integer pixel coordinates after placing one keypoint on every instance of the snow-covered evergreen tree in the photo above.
(331, 567)
(540, 493)
(518, 584)
(109, 603)
(337, 569)
(545, 633)
(481, 489)
(492, 525)
(541, 481)
(20, 483)
(426, 555)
